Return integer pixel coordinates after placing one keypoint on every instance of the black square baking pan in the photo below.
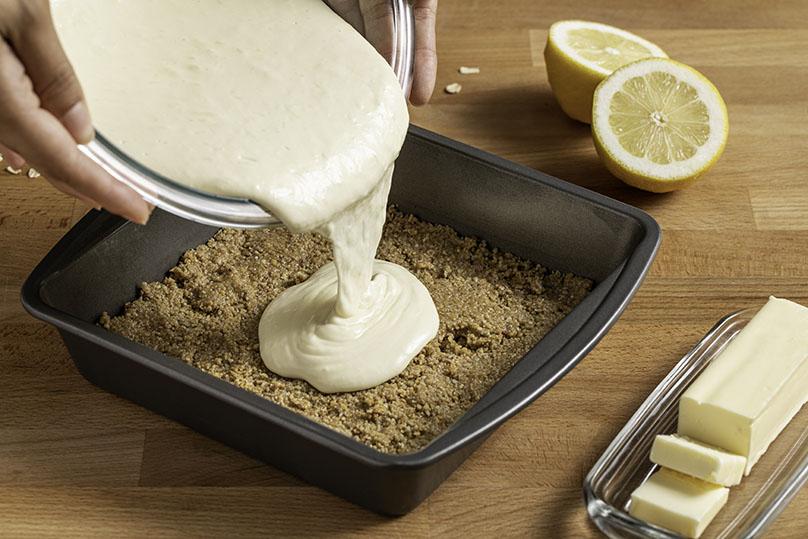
(99, 264)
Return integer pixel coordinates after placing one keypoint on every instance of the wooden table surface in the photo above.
(76, 461)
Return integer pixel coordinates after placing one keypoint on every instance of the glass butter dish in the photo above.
(752, 506)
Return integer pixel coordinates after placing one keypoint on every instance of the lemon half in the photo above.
(580, 54)
(658, 125)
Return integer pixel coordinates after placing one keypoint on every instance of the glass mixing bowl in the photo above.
(219, 210)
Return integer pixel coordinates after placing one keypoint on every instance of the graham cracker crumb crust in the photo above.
(493, 308)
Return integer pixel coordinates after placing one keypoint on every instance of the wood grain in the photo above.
(78, 462)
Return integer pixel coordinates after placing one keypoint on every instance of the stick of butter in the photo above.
(745, 397)
(697, 459)
(677, 502)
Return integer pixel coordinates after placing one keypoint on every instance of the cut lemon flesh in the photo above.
(580, 54)
(604, 47)
(658, 124)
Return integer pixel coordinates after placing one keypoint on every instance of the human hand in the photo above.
(43, 114)
(374, 19)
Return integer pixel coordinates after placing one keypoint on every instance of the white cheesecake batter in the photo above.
(281, 102)
(363, 335)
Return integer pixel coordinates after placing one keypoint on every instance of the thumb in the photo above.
(47, 66)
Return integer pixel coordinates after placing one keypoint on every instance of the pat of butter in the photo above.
(745, 397)
(677, 502)
(697, 459)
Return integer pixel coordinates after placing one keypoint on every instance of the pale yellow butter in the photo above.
(697, 459)
(677, 502)
(750, 392)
